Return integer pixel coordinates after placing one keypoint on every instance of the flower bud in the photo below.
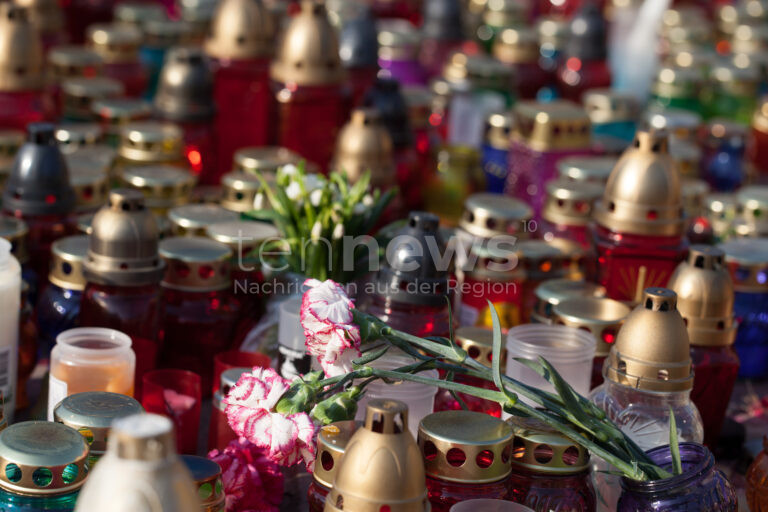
(317, 231)
(338, 231)
(339, 407)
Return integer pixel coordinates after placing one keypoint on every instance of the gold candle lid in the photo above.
(693, 193)
(96, 158)
(705, 296)
(542, 449)
(42, 458)
(556, 125)
(242, 235)
(721, 210)
(677, 82)
(240, 190)
(21, 61)
(79, 94)
(506, 13)
(151, 141)
(264, 159)
(553, 291)
(241, 29)
(587, 168)
(610, 106)
(168, 33)
(331, 442)
(600, 316)
(194, 219)
(123, 243)
(309, 50)
(118, 112)
(489, 215)
(364, 145)
(465, 446)
(90, 183)
(498, 131)
(398, 39)
(652, 352)
(163, 186)
(570, 202)
(517, 45)
(91, 413)
(67, 256)
(682, 125)
(463, 70)
(642, 195)
(687, 157)
(747, 261)
(15, 231)
(496, 264)
(478, 342)
(382, 446)
(72, 136)
(115, 42)
(207, 476)
(138, 13)
(195, 264)
(73, 61)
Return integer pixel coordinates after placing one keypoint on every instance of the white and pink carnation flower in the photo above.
(329, 328)
(285, 438)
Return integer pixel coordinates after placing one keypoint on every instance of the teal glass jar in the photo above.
(207, 476)
(44, 465)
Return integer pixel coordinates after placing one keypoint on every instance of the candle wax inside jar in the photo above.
(112, 376)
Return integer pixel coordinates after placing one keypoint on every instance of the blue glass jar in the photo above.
(495, 151)
(45, 467)
(612, 113)
(747, 261)
(722, 165)
(59, 306)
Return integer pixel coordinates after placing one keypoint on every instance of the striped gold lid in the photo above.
(195, 264)
(587, 168)
(541, 449)
(570, 202)
(194, 219)
(163, 186)
(489, 215)
(264, 159)
(554, 291)
(67, 257)
(600, 316)
(151, 141)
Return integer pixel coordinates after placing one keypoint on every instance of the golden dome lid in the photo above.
(152, 142)
(382, 446)
(705, 296)
(264, 159)
(67, 256)
(478, 342)
(123, 243)
(506, 13)
(600, 316)
(42, 458)
(90, 182)
(677, 82)
(466, 447)
(643, 195)
(15, 231)
(309, 51)
(115, 42)
(194, 219)
(331, 443)
(241, 29)
(240, 190)
(489, 215)
(570, 202)
(79, 94)
(498, 131)
(652, 352)
(542, 449)
(195, 264)
(587, 168)
(398, 39)
(610, 106)
(556, 125)
(364, 145)
(163, 186)
(553, 291)
(516, 45)
(46, 15)
(21, 50)
(185, 87)
(747, 262)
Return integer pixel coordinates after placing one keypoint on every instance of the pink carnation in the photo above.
(286, 439)
(329, 328)
(252, 482)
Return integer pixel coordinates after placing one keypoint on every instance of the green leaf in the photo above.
(674, 447)
(369, 356)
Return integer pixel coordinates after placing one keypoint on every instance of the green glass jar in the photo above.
(498, 15)
(677, 87)
(458, 175)
(207, 476)
(44, 465)
(92, 413)
(731, 93)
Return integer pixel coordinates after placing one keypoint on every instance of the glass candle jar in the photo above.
(79, 94)
(293, 359)
(543, 135)
(458, 175)
(90, 359)
(701, 486)
(47, 466)
(731, 92)
(15, 231)
(91, 413)
(612, 113)
(331, 442)
(207, 477)
(723, 163)
(748, 265)
(549, 471)
(552, 292)
(584, 65)
(399, 44)
(199, 314)
(518, 48)
(757, 480)
(58, 308)
(219, 431)
(442, 33)
(601, 317)
(539, 261)
(678, 88)
(118, 46)
(160, 35)
(495, 151)
(466, 455)
(567, 212)
(757, 143)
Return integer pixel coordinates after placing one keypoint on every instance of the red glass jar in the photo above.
(478, 342)
(426, 140)
(123, 273)
(219, 432)
(81, 14)
(199, 313)
(359, 52)
(404, 9)
(639, 222)
(242, 33)
(518, 48)
(118, 46)
(331, 442)
(568, 210)
(757, 481)
(467, 455)
(308, 83)
(443, 33)
(584, 64)
(757, 145)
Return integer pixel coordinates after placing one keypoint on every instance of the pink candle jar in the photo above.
(466, 455)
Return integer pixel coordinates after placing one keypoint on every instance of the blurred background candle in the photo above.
(359, 52)
(219, 431)
(552, 292)
(175, 394)
(118, 46)
(10, 295)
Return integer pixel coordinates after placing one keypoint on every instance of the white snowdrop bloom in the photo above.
(315, 197)
(293, 191)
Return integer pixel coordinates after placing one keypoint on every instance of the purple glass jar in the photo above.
(399, 43)
(700, 487)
